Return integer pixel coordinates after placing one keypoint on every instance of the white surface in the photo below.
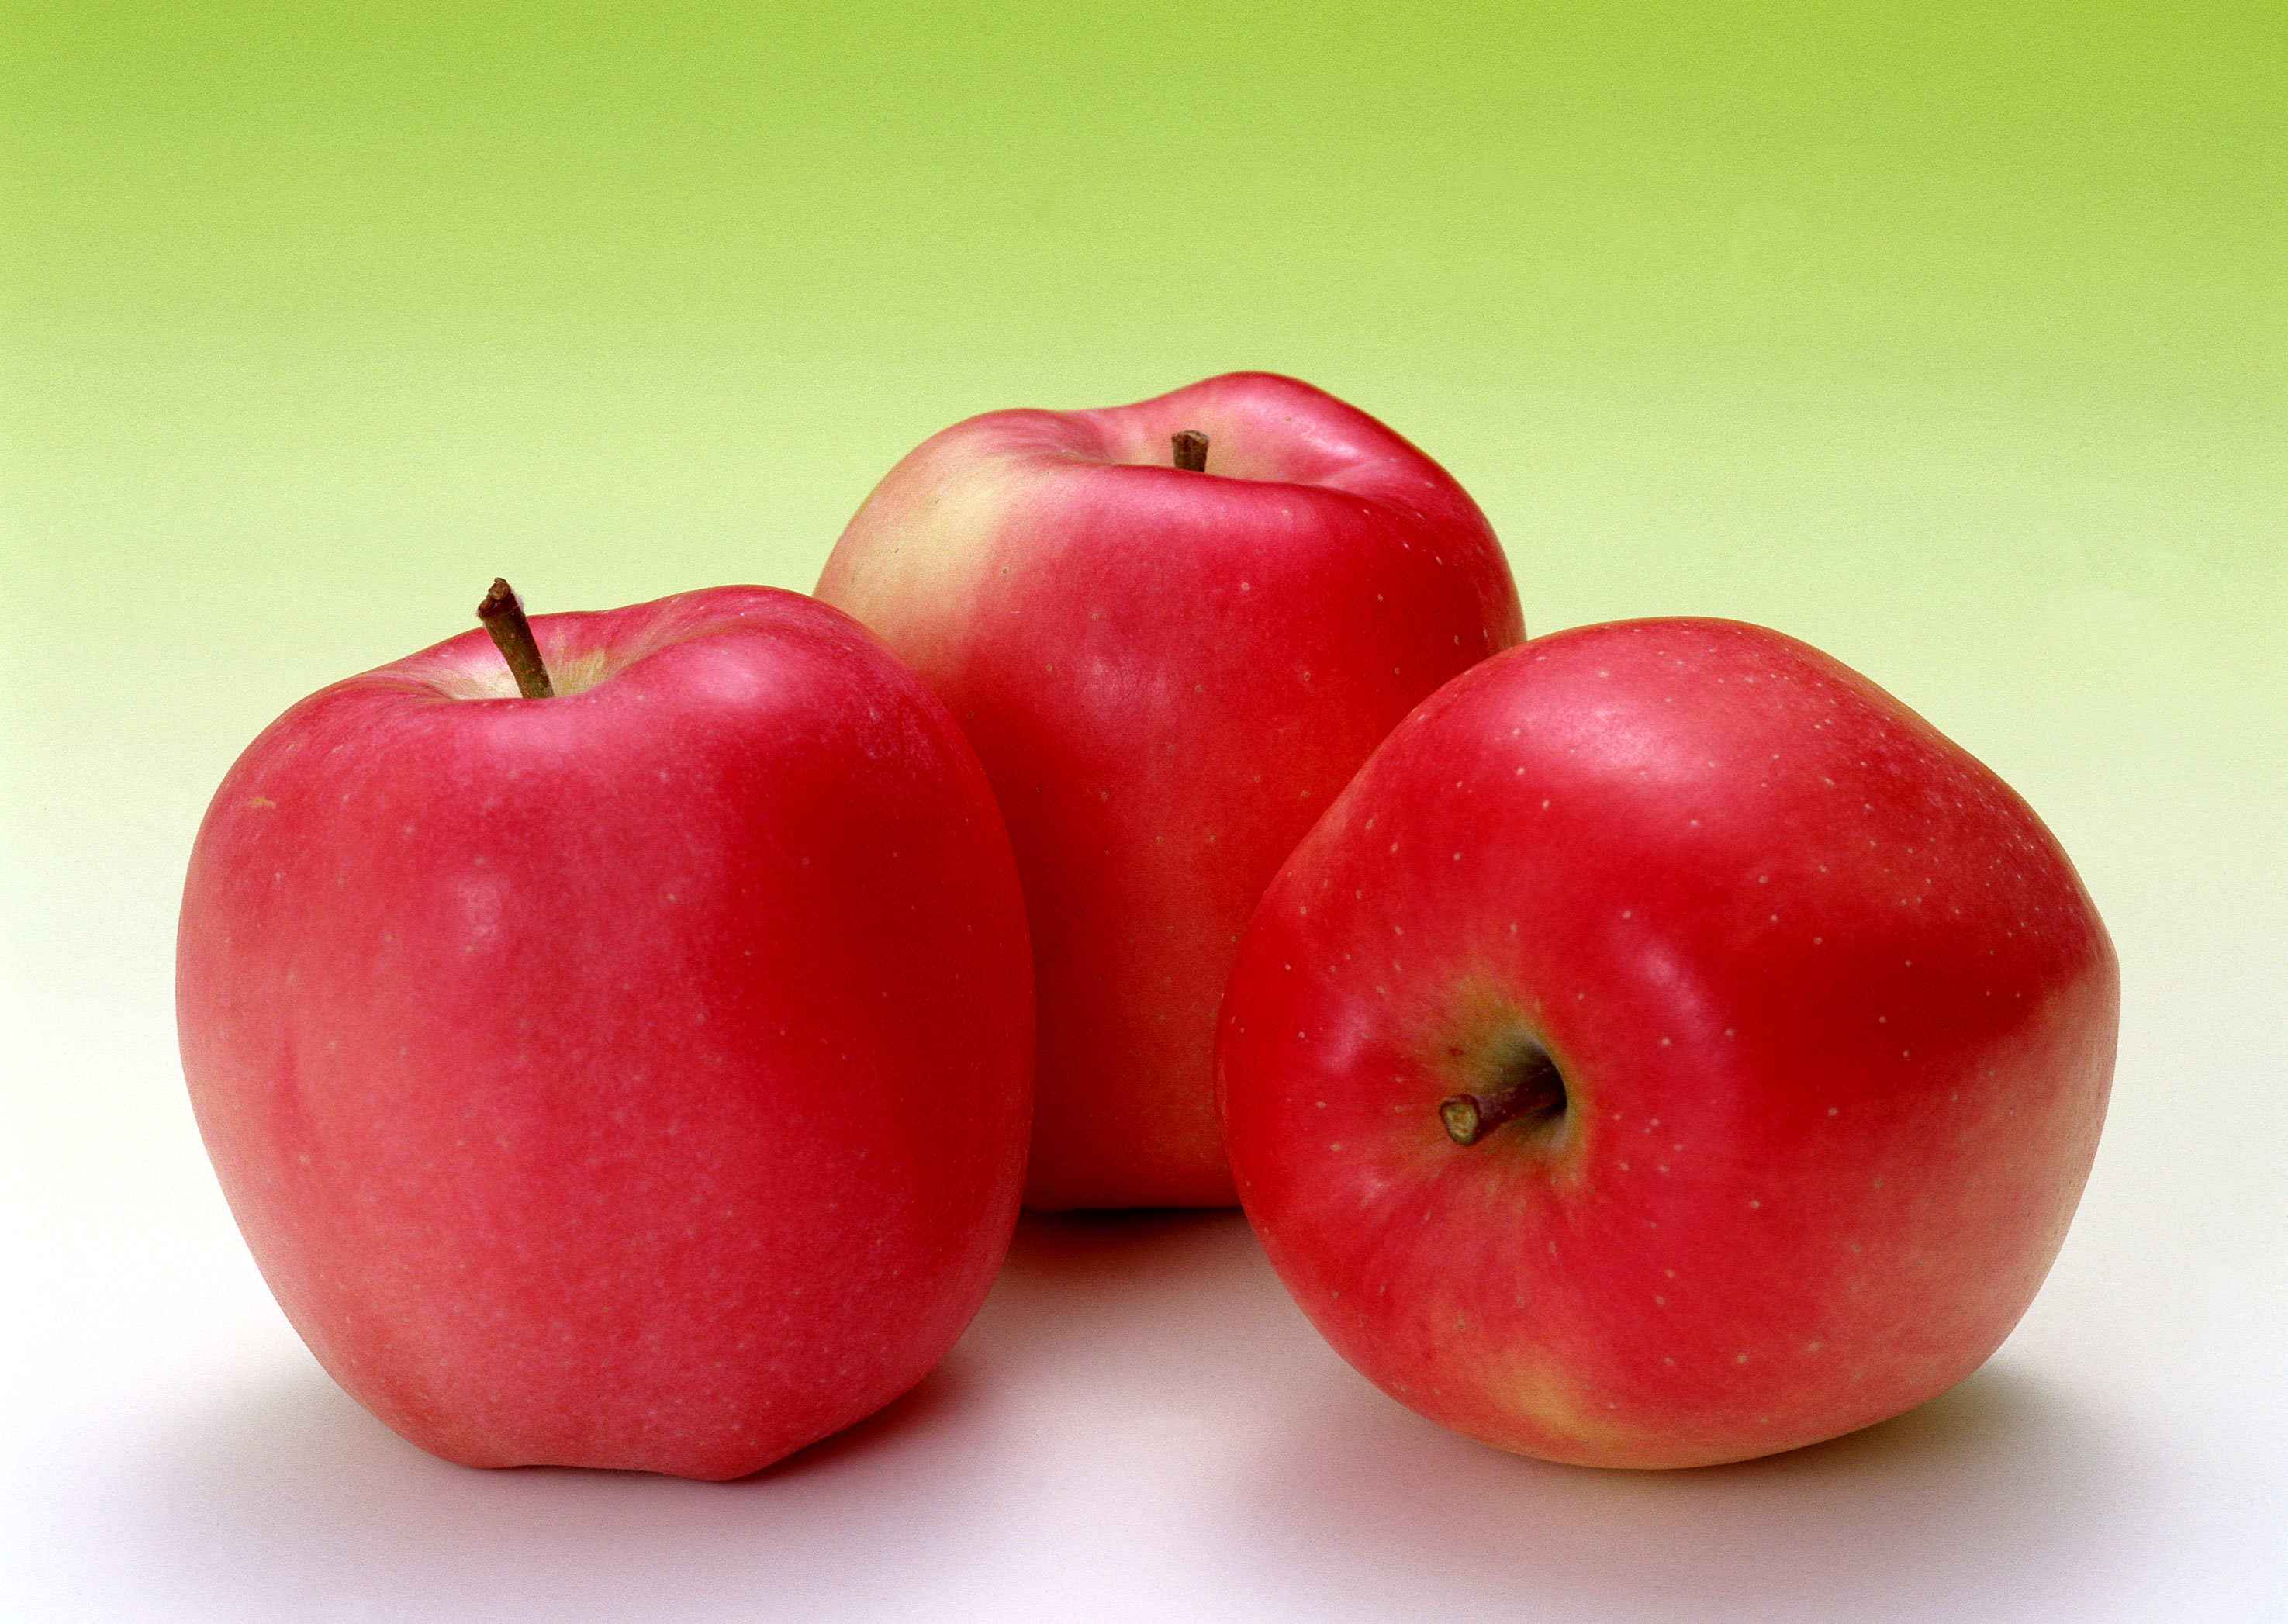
(1138, 1426)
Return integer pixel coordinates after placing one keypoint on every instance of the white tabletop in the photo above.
(1140, 1425)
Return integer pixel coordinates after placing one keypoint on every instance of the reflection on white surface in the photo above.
(1138, 1426)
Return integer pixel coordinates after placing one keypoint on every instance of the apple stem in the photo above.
(1191, 450)
(504, 617)
(1538, 1091)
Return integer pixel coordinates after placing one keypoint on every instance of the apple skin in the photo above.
(1835, 1020)
(1168, 676)
(637, 1078)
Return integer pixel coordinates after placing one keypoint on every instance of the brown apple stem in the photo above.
(504, 617)
(1537, 1091)
(1191, 450)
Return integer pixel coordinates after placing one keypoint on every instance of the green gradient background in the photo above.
(1953, 339)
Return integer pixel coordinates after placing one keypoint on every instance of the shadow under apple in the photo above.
(1996, 1497)
(1162, 1312)
(289, 1502)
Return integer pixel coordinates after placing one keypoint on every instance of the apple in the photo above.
(1669, 1050)
(632, 1078)
(1172, 631)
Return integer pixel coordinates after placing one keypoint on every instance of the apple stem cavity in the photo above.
(504, 617)
(1536, 1091)
(1191, 450)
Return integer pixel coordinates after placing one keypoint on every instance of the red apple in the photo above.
(634, 1078)
(1168, 674)
(1800, 1020)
